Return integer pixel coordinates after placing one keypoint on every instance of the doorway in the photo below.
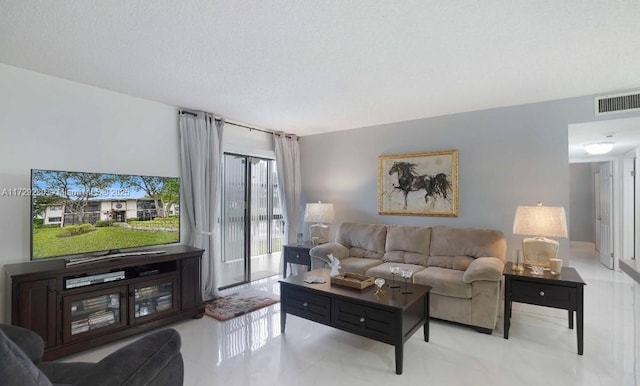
(252, 225)
(624, 212)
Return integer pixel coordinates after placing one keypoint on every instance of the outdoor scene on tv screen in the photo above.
(80, 213)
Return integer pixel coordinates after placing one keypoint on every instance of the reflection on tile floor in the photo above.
(541, 350)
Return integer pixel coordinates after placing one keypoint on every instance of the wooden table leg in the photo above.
(580, 318)
(507, 308)
(425, 329)
(283, 308)
(571, 319)
(399, 353)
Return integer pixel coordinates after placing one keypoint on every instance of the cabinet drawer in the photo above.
(297, 255)
(366, 321)
(543, 294)
(308, 305)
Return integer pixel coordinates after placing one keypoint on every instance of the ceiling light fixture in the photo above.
(598, 147)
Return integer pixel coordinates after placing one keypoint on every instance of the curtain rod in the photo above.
(237, 124)
(252, 128)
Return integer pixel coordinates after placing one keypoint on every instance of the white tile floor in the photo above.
(541, 350)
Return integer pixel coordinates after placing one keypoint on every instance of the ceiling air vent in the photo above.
(618, 103)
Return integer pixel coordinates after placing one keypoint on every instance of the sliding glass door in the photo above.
(252, 225)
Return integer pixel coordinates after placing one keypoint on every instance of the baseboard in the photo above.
(582, 245)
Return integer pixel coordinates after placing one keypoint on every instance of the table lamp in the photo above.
(542, 222)
(319, 214)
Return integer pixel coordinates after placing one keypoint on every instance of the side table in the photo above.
(564, 291)
(297, 254)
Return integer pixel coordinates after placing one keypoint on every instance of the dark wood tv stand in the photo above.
(74, 309)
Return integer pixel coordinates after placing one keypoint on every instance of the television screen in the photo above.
(82, 213)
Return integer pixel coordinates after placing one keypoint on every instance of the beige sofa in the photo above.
(463, 266)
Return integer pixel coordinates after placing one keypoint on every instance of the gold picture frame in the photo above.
(418, 184)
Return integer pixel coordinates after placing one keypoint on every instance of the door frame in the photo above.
(629, 206)
(606, 255)
(596, 204)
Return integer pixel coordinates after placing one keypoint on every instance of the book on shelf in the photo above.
(78, 329)
(92, 303)
(80, 325)
(101, 317)
(163, 302)
(89, 306)
(146, 292)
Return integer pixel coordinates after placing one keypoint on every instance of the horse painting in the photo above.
(438, 185)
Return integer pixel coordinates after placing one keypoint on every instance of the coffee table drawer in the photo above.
(308, 305)
(365, 321)
(543, 294)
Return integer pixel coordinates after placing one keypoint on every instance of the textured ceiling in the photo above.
(314, 66)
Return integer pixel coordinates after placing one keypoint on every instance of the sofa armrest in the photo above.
(154, 359)
(484, 268)
(28, 341)
(320, 253)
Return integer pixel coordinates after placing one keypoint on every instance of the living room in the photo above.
(512, 143)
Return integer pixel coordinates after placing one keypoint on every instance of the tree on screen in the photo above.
(75, 190)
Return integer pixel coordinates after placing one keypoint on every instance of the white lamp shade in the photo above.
(319, 213)
(548, 221)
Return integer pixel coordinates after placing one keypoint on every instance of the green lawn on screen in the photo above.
(47, 243)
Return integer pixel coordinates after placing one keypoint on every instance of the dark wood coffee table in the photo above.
(390, 319)
(564, 291)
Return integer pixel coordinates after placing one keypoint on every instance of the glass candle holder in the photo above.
(379, 282)
(517, 263)
(406, 275)
(394, 269)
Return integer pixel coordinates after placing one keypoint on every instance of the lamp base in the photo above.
(319, 233)
(539, 250)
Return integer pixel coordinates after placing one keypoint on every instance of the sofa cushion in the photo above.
(459, 263)
(358, 264)
(408, 239)
(17, 367)
(407, 244)
(359, 252)
(66, 373)
(446, 241)
(363, 240)
(383, 271)
(444, 281)
(406, 257)
(154, 359)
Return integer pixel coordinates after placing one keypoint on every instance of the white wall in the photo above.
(582, 203)
(51, 123)
(240, 140)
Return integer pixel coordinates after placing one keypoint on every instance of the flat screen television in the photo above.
(78, 214)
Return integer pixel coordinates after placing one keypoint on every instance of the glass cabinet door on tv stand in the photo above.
(94, 312)
(153, 298)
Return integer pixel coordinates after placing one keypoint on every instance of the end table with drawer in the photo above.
(297, 254)
(564, 291)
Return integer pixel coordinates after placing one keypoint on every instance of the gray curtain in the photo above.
(289, 184)
(200, 164)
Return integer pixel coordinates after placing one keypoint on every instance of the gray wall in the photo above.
(581, 197)
(508, 156)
